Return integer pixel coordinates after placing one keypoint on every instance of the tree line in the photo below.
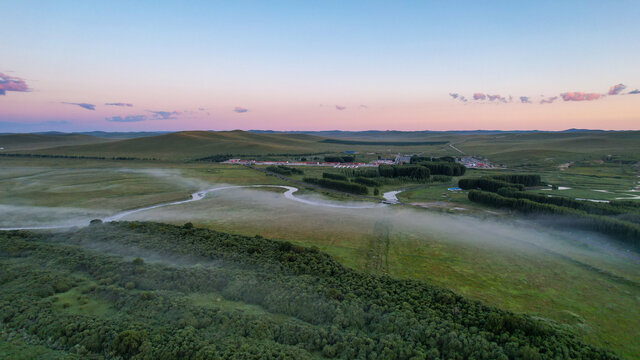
(284, 170)
(338, 185)
(445, 165)
(333, 176)
(626, 231)
(487, 184)
(340, 159)
(404, 171)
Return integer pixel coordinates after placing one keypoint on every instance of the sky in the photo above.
(319, 65)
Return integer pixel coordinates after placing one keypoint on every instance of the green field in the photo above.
(574, 278)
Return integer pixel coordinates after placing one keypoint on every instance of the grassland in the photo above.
(23, 142)
(569, 278)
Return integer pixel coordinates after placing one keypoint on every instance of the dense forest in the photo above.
(156, 291)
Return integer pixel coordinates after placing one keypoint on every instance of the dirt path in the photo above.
(456, 149)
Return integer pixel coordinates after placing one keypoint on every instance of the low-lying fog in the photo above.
(267, 212)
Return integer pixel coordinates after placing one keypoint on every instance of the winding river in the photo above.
(199, 195)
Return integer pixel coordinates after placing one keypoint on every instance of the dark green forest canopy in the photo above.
(140, 280)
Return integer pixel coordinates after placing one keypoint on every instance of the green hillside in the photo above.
(194, 144)
(554, 148)
(505, 148)
(20, 142)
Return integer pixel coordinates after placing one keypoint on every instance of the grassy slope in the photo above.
(508, 283)
(547, 149)
(552, 148)
(194, 144)
(20, 142)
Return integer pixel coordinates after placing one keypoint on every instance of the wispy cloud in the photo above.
(458, 97)
(616, 89)
(579, 96)
(128, 118)
(362, 106)
(119, 104)
(566, 96)
(240, 110)
(164, 115)
(82, 105)
(340, 108)
(10, 83)
(549, 100)
(498, 98)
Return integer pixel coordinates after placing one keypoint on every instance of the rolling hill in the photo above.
(553, 148)
(15, 142)
(195, 144)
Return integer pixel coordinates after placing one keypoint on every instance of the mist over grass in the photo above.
(515, 263)
(36, 216)
(269, 209)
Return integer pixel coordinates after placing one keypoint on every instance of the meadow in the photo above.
(585, 283)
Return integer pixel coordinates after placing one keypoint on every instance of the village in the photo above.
(467, 161)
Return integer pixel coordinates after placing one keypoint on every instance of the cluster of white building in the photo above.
(346, 165)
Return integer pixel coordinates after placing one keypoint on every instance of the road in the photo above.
(456, 149)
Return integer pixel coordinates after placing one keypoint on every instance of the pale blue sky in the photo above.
(179, 55)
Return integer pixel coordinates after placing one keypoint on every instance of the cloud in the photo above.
(164, 115)
(362, 106)
(497, 97)
(82, 105)
(240, 110)
(119, 104)
(616, 89)
(10, 83)
(128, 118)
(549, 100)
(340, 108)
(567, 96)
(202, 109)
(458, 97)
(579, 96)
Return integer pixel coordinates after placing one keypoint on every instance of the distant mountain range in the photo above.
(327, 133)
(370, 133)
(110, 135)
